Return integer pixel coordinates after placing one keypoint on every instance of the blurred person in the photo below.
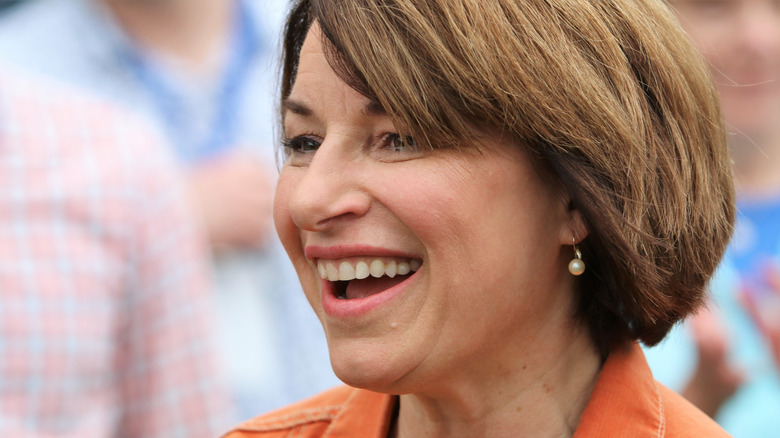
(489, 203)
(725, 359)
(105, 326)
(202, 71)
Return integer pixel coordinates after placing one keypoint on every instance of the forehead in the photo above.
(318, 89)
(313, 66)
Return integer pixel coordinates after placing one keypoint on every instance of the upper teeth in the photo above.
(332, 270)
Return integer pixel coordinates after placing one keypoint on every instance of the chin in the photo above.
(367, 369)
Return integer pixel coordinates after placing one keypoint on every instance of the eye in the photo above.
(399, 143)
(302, 144)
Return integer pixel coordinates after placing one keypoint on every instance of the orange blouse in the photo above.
(626, 402)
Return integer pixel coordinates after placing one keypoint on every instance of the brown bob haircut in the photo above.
(609, 95)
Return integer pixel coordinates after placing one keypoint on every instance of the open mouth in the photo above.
(358, 278)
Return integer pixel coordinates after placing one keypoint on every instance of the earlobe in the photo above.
(579, 229)
(575, 229)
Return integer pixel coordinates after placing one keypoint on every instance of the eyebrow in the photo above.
(296, 107)
(374, 108)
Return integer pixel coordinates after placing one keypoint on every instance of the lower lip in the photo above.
(339, 308)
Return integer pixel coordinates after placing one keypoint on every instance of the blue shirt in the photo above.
(77, 42)
(754, 410)
(756, 242)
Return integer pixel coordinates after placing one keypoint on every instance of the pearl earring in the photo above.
(576, 265)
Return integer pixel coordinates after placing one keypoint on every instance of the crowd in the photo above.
(200, 76)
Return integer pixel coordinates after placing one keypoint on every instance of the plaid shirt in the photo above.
(105, 324)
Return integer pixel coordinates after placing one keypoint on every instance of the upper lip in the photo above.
(334, 252)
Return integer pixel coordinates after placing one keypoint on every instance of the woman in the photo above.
(451, 168)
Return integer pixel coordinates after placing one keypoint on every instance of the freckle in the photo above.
(547, 388)
(519, 408)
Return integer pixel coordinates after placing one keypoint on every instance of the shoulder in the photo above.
(628, 399)
(45, 114)
(51, 132)
(313, 414)
(341, 411)
(683, 419)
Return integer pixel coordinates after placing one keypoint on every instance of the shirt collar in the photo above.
(368, 412)
(626, 397)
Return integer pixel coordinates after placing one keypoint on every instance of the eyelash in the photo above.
(307, 143)
(297, 144)
(405, 141)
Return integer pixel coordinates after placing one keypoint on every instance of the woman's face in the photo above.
(450, 260)
(741, 41)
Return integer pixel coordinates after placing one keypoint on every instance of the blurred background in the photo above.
(80, 82)
(5, 4)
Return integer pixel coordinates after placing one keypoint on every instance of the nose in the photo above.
(328, 191)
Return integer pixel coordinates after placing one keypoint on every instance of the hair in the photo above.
(609, 94)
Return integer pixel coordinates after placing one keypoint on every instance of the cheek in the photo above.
(285, 227)
(290, 236)
(453, 220)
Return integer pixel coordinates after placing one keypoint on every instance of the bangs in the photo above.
(399, 68)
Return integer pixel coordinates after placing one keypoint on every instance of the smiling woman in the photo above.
(445, 161)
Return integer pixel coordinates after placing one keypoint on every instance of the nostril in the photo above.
(325, 192)
(342, 207)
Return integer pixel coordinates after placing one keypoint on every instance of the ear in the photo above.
(575, 230)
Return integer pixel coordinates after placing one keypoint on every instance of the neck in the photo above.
(757, 163)
(194, 33)
(540, 394)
